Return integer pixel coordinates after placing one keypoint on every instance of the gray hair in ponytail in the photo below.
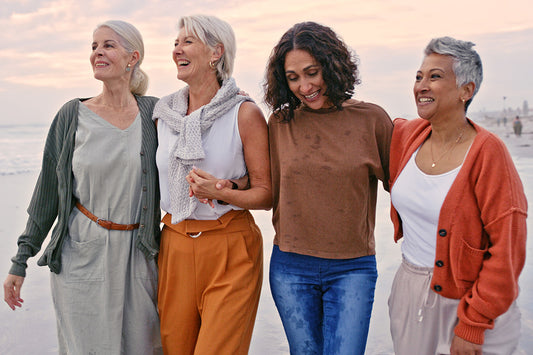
(131, 40)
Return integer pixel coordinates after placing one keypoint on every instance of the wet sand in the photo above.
(31, 330)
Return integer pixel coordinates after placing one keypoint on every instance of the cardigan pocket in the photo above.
(469, 264)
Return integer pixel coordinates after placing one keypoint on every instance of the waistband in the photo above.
(232, 221)
(426, 273)
(415, 268)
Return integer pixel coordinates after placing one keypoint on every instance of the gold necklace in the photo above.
(434, 162)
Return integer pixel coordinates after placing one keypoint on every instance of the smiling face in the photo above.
(304, 76)
(109, 58)
(192, 58)
(435, 90)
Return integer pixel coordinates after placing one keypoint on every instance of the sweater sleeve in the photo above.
(43, 208)
(503, 207)
(383, 136)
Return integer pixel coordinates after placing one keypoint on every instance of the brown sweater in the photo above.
(325, 169)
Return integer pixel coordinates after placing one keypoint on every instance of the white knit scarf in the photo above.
(188, 150)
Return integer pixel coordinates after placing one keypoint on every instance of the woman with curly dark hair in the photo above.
(328, 152)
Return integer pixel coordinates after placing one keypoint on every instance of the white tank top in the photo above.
(418, 198)
(224, 159)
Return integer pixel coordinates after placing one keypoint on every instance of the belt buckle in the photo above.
(104, 223)
(194, 235)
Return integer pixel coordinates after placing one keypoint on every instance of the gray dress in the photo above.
(106, 294)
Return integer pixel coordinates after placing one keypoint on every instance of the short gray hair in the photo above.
(213, 31)
(131, 40)
(466, 61)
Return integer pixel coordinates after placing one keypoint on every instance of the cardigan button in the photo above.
(142, 153)
(437, 288)
(439, 263)
(144, 188)
(145, 208)
(442, 232)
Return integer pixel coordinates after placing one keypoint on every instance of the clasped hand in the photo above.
(205, 187)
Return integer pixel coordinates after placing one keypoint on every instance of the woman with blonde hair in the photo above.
(99, 180)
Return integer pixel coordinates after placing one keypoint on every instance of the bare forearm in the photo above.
(254, 198)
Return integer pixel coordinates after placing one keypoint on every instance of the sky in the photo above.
(45, 46)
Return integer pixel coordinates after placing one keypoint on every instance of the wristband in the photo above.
(234, 186)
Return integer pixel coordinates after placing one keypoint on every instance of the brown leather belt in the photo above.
(105, 223)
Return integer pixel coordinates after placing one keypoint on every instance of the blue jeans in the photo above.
(324, 304)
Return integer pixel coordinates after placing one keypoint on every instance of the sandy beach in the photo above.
(31, 330)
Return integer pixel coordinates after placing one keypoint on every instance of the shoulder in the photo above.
(249, 108)
(370, 107)
(67, 112)
(146, 102)
(251, 121)
(413, 126)
(368, 111)
(249, 111)
(489, 145)
(276, 118)
(70, 105)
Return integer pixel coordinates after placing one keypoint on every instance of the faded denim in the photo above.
(324, 304)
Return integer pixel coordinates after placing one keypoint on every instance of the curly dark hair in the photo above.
(339, 67)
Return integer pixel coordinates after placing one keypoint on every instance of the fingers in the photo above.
(12, 287)
(221, 184)
(199, 173)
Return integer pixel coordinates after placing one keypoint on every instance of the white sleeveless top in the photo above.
(224, 159)
(418, 198)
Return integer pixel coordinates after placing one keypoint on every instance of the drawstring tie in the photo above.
(427, 295)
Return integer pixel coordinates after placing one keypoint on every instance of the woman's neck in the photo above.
(117, 96)
(202, 93)
(446, 130)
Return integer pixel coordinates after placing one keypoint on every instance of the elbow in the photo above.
(266, 200)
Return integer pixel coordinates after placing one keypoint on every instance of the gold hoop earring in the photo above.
(212, 65)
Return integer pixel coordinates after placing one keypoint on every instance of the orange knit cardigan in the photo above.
(481, 233)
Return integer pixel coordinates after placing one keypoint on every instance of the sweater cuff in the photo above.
(20, 264)
(470, 333)
(18, 270)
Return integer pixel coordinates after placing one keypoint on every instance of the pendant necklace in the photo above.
(435, 161)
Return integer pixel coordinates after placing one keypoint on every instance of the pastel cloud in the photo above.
(46, 43)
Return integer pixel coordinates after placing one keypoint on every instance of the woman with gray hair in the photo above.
(211, 259)
(459, 204)
(99, 180)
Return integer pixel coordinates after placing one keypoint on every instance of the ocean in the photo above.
(21, 148)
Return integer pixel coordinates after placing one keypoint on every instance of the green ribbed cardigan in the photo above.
(53, 199)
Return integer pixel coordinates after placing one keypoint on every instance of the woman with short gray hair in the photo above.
(211, 259)
(459, 205)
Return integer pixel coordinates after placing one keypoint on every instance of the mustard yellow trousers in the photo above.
(210, 276)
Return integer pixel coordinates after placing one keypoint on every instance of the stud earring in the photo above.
(128, 68)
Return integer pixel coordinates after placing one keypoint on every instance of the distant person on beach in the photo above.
(99, 180)
(517, 126)
(459, 204)
(211, 259)
(328, 152)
